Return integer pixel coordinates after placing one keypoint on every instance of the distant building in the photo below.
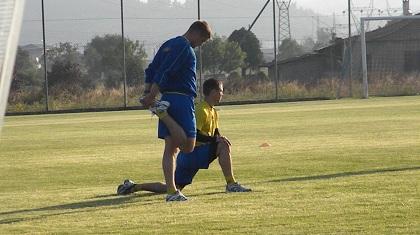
(393, 48)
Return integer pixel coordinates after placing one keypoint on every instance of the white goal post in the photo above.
(363, 44)
(11, 14)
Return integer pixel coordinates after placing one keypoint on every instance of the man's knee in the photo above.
(171, 146)
(223, 147)
(188, 146)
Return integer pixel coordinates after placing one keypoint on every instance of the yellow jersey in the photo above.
(207, 119)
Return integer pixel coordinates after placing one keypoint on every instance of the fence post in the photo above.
(124, 74)
(45, 57)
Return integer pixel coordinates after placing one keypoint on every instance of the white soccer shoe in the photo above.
(176, 197)
(159, 108)
(126, 187)
(236, 188)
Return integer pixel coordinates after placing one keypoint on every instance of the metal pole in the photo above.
(124, 74)
(200, 56)
(275, 49)
(350, 51)
(258, 16)
(45, 57)
(199, 10)
(364, 60)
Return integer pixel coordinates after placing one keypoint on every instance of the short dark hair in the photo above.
(211, 84)
(201, 27)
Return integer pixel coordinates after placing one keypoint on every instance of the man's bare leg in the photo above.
(179, 139)
(155, 187)
(178, 136)
(168, 164)
(225, 161)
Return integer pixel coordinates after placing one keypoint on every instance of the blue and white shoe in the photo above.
(126, 188)
(159, 107)
(176, 197)
(236, 188)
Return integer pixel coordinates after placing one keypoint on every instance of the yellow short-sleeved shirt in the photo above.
(207, 119)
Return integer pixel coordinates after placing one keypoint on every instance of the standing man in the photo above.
(173, 74)
(210, 145)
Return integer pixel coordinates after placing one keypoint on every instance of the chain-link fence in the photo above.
(97, 50)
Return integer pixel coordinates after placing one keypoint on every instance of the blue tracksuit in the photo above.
(173, 70)
(173, 67)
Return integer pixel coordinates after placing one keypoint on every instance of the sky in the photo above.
(328, 7)
(337, 6)
(79, 25)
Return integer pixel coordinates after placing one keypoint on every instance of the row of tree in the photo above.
(101, 62)
(70, 69)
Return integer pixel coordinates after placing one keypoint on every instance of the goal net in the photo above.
(11, 12)
(390, 56)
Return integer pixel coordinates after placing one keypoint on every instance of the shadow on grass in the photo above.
(205, 194)
(76, 207)
(346, 174)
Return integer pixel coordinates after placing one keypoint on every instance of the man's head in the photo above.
(198, 33)
(213, 91)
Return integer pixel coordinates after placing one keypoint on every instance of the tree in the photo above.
(308, 44)
(289, 48)
(233, 57)
(65, 76)
(66, 72)
(220, 55)
(250, 44)
(323, 38)
(212, 54)
(104, 59)
(64, 52)
(26, 74)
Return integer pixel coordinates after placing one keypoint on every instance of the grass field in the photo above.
(333, 167)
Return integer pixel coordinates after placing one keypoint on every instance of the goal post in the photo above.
(363, 39)
(11, 14)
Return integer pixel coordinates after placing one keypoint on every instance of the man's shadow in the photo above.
(345, 174)
(77, 207)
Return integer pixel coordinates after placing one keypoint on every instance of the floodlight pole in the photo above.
(199, 10)
(45, 57)
(276, 74)
(275, 40)
(258, 16)
(124, 73)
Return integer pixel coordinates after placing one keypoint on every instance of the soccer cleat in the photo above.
(159, 108)
(236, 188)
(141, 100)
(176, 197)
(125, 188)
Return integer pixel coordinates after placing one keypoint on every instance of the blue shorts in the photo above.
(188, 164)
(182, 110)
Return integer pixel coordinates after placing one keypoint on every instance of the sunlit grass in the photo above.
(333, 167)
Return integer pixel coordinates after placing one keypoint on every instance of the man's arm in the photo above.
(217, 134)
(150, 97)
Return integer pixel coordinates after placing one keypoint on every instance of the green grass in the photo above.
(334, 167)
